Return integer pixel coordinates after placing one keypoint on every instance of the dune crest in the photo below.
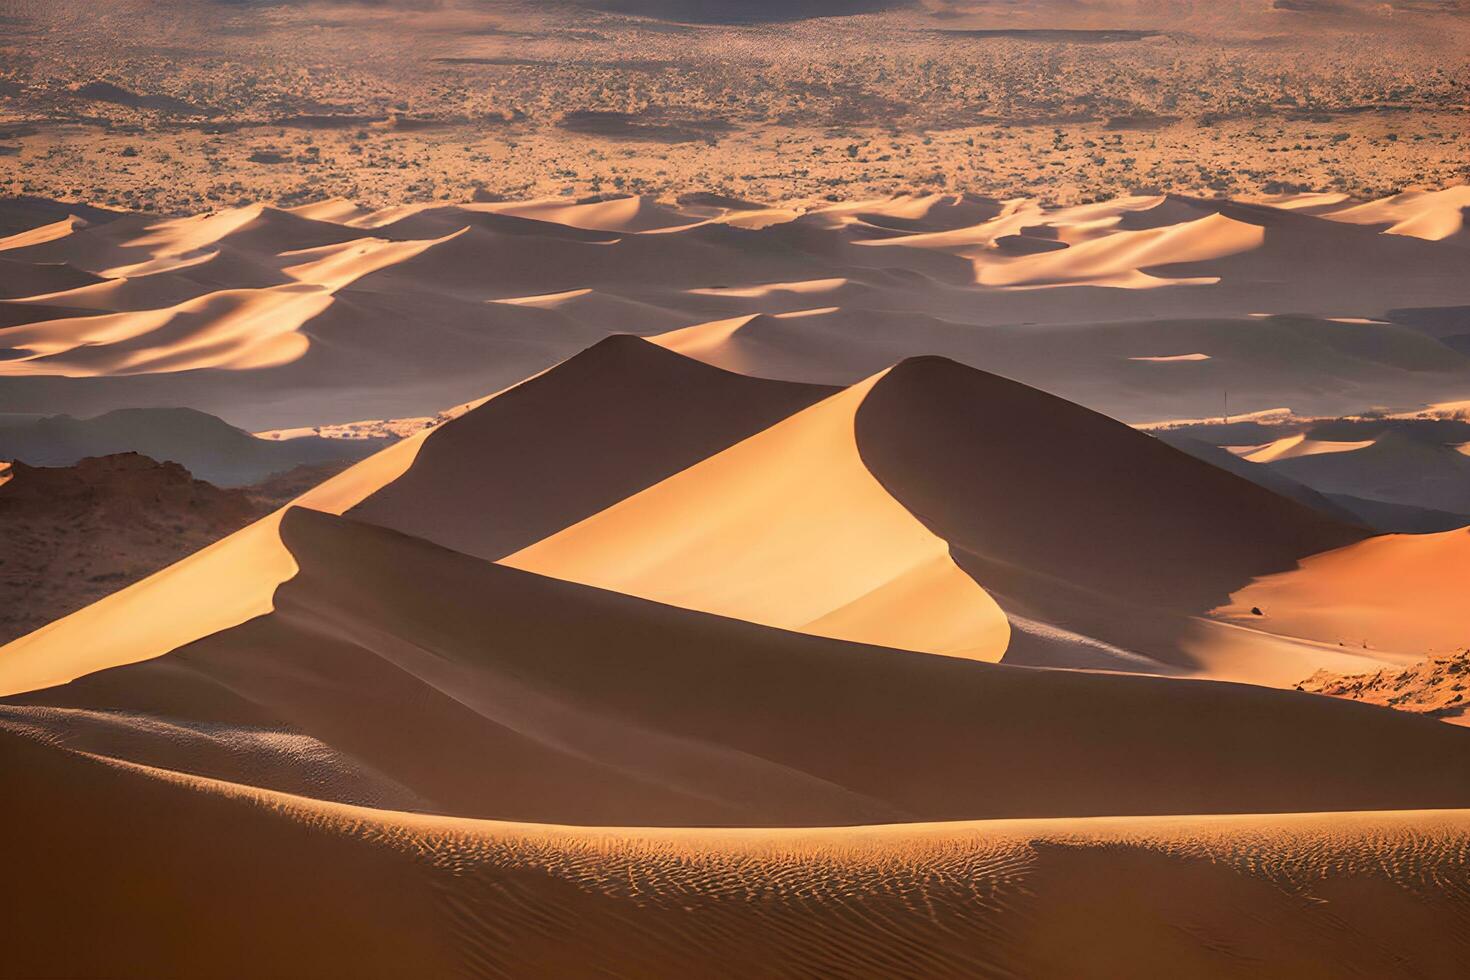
(789, 529)
(1399, 593)
(437, 303)
(227, 583)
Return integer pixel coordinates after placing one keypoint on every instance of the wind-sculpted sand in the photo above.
(1145, 307)
(331, 889)
(831, 627)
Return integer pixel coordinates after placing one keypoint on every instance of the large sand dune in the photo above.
(258, 883)
(598, 427)
(717, 633)
(520, 697)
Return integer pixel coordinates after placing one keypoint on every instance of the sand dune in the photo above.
(20, 279)
(1394, 467)
(227, 583)
(1432, 215)
(599, 427)
(1396, 593)
(1294, 447)
(635, 214)
(1063, 298)
(543, 700)
(387, 894)
(1119, 259)
(842, 499)
(734, 489)
(235, 330)
(788, 529)
(635, 590)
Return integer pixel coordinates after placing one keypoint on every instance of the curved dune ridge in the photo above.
(542, 700)
(595, 429)
(377, 893)
(787, 529)
(227, 583)
(894, 511)
(784, 598)
(421, 306)
(1400, 593)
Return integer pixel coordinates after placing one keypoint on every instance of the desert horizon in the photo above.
(683, 488)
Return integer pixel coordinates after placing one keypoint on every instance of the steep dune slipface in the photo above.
(988, 471)
(397, 313)
(1432, 215)
(513, 695)
(1023, 481)
(595, 429)
(788, 529)
(1064, 516)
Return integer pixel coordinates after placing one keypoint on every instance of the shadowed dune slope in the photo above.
(208, 447)
(263, 884)
(1061, 514)
(1031, 489)
(598, 427)
(516, 696)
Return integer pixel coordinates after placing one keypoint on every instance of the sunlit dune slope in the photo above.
(1402, 593)
(849, 518)
(598, 427)
(516, 696)
(223, 585)
(165, 870)
(789, 529)
(1145, 307)
(1028, 486)
(235, 330)
(1433, 215)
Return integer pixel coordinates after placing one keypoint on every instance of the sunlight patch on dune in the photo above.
(1119, 259)
(1291, 447)
(236, 330)
(788, 529)
(229, 582)
(1399, 593)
